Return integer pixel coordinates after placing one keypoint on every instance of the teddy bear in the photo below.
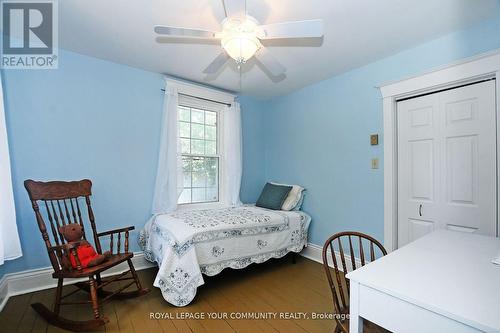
(73, 233)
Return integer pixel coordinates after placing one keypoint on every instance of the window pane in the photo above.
(212, 194)
(211, 147)
(198, 164)
(184, 114)
(211, 133)
(187, 179)
(197, 147)
(186, 164)
(210, 118)
(200, 179)
(197, 116)
(212, 172)
(185, 146)
(185, 196)
(197, 131)
(199, 195)
(184, 129)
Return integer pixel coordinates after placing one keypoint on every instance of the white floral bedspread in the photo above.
(187, 244)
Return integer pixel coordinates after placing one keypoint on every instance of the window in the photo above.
(200, 150)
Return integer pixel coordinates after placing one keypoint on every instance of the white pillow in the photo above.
(293, 197)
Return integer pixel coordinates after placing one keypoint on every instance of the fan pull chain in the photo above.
(241, 85)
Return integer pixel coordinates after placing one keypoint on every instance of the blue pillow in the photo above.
(273, 196)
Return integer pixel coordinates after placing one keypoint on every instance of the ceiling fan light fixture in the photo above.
(241, 48)
(239, 38)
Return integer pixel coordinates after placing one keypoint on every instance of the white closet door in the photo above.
(447, 162)
(418, 176)
(468, 163)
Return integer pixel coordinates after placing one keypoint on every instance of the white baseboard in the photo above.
(315, 252)
(41, 278)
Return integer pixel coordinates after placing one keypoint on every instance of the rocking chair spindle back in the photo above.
(64, 203)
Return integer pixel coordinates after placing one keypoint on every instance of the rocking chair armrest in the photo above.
(119, 232)
(115, 231)
(64, 252)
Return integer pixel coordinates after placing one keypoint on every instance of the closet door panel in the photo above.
(468, 166)
(418, 167)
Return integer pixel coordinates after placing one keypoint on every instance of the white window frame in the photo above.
(218, 96)
(219, 155)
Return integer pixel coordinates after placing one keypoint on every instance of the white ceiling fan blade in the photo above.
(217, 63)
(235, 8)
(295, 29)
(267, 59)
(183, 32)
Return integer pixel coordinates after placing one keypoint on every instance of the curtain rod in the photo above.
(205, 99)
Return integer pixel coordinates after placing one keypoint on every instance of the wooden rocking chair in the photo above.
(60, 202)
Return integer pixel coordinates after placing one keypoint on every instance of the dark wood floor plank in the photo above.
(240, 305)
(45, 297)
(155, 304)
(299, 293)
(122, 310)
(13, 312)
(220, 304)
(252, 295)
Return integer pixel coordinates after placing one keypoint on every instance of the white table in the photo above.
(442, 283)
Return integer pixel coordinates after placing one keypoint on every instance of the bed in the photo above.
(189, 244)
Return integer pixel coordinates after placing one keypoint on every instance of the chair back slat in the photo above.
(56, 220)
(61, 214)
(344, 266)
(57, 197)
(372, 252)
(53, 226)
(361, 251)
(342, 256)
(337, 277)
(92, 224)
(73, 213)
(339, 285)
(78, 211)
(80, 220)
(67, 212)
(353, 262)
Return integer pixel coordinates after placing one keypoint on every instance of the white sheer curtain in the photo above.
(10, 246)
(169, 178)
(232, 168)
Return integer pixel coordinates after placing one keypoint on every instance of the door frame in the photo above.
(469, 70)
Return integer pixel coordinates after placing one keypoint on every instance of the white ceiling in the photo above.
(356, 32)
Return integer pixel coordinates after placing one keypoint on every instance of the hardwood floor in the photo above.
(276, 286)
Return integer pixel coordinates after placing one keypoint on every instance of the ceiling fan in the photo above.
(241, 35)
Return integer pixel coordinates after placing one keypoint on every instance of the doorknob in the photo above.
(420, 210)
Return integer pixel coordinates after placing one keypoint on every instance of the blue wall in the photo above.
(319, 136)
(99, 120)
(253, 178)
